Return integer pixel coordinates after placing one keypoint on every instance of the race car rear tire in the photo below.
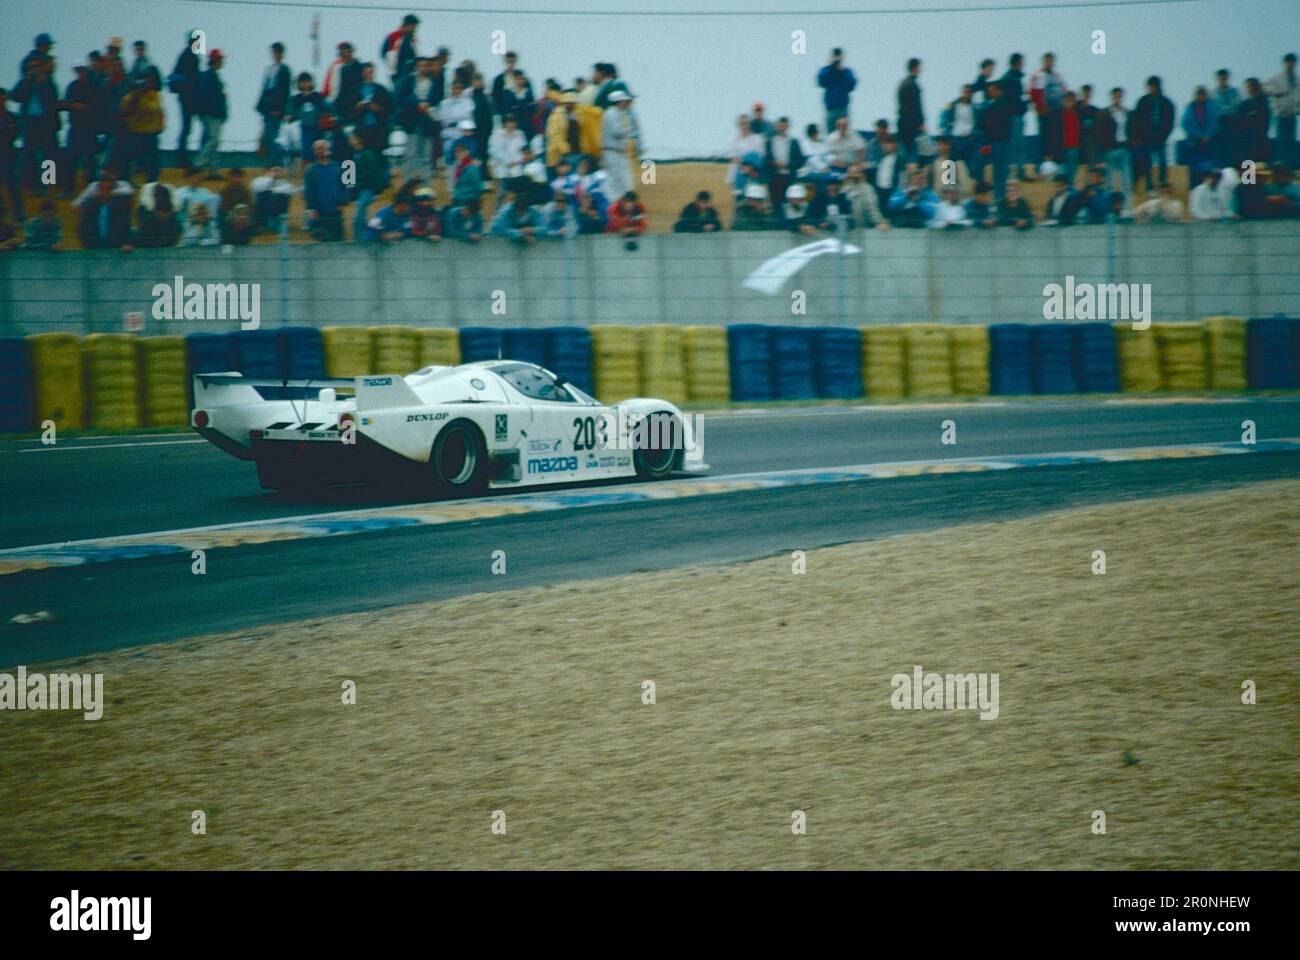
(654, 461)
(459, 460)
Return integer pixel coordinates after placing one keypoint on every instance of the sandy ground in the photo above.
(773, 695)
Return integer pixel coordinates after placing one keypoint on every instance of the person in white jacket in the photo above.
(950, 213)
(618, 131)
(506, 149)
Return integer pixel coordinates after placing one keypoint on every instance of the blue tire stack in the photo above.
(16, 414)
(568, 355)
(302, 353)
(482, 343)
(750, 361)
(837, 362)
(208, 353)
(1009, 359)
(257, 353)
(525, 343)
(1270, 353)
(791, 349)
(1050, 362)
(1096, 364)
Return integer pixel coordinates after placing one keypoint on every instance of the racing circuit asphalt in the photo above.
(89, 488)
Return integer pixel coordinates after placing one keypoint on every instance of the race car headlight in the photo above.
(201, 418)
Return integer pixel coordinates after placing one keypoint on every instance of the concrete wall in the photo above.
(1195, 270)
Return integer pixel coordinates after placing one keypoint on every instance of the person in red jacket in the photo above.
(627, 218)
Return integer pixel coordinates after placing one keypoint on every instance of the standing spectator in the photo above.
(1013, 210)
(911, 112)
(958, 123)
(372, 180)
(455, 109)
(758, 122)
(343, 78)
(466, 175)
(838, 82)
(1071, 137)
(506, 150)
(210, 107)
(844, 147)
(1047, 90)
(946, 170)
(9, 175)
(42, 49)
(372, 109)
(996, 122)
(483, 115)
(271, 194)
(38, 110)
(44, 231)
(142, 117)
(746, 148)
(619, 136)
(84, 104)
(308, 108)
(1149, 127)
(1113, 132)
(1208, 201)
(399, 51)
(698, 216)
(1253, 118)
(517, 100)
(502, 80)
(105, 214)
(1284, 90)
(142, 66)
(324, 194)
(272, 102)
(889, 172)
(980, 88)
(607, 84)
(1226, 100)
(1012, 84)
(183, 82)
(1201, 125)
(418, 96)
(1166, 208)
(1089, 112)
(783, 156)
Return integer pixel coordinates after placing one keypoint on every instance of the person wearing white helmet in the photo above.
(753, 211)
(796, 206)
(619, 137)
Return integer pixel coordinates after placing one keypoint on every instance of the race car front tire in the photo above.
(655, 461)
(459, 460)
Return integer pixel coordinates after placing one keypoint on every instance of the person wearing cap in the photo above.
(619, 137)
(399, 51)
(142, 123)
(426, 224)
(343, 77)
(753, 212)
(794, 212)
(758, 122)
(211, 108)
(272, 101)
(372, 109)
(41, 50)
(183, 81)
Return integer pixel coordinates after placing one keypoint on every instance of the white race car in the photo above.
(454, 430)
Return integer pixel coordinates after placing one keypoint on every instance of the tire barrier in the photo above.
(568, 355)
(439, 346)
(837, 362)
(481, 343)
(1051, 365)
(394, 349)
(929, 360)
(708, 372)
(302, 353)
(791, 350)
(749, 362)
(1225, 361)
(15, 386)
(884, 367)
(164, 400)
(56, 372)
(525, 343)
(970, 360)
(615, 362)
(347, 351)
(1182, 355)
(1096, 364)
(112, 381)
(1270, 353)
(663, 375)
(1010, 365)
(1139, 359)
(257, 353)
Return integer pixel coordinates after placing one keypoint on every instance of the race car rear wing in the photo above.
(233, 389)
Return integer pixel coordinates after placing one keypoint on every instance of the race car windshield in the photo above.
(533, 382)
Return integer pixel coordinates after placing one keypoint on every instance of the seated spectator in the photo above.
(558, 220)
(782, 158)
(1209, 201)
(590, 219)
(194, 191)
(393, 222)
(325, 195)
(753, 212)
(747, 145)
(794, 212)
(980, 209)
(45, 230)
(199, 227)
(948, 171)
(627, 218)
(464, 222)
(105, 219)
(151, 193)
(862, 199)
(593, 180)
(235, 192)
(157, 224)
(828, 211)
(518, 221)
(466, 176)
(1013, 209)
(698, 216)
(1274, 196)
(1096, 199)
(237, 227)
(913, 206)
(425, 222)
(949, 213)
(271, 195)
(814, 166)
(1064, 206)
(1165, 208)
(844, 147)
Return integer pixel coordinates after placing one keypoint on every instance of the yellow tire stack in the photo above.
(1182, 355)
(437, 347)
(929, 359)
(884, 363)
(1139, 359)
(112, 381)
(396, 350)
(347, 351)
(708, 375)
(163, 398)
(663, 374)
(970, 360)
(56, 375)
(1225, 362)
(615, 362)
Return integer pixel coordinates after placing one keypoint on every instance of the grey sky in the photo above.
(693, 74)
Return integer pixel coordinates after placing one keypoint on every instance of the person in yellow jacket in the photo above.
(572, 127)
(142, 122)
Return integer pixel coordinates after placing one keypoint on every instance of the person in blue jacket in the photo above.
(838, 81)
